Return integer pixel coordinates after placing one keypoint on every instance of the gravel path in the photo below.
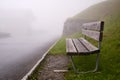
(54, 62)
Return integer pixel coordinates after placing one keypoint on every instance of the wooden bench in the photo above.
(81, 46)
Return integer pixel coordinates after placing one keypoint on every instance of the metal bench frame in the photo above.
(94, 26)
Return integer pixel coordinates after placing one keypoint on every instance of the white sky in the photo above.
(51, 14)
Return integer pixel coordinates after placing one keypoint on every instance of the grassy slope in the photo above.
(109, 61)
(100, 10)
(110, 58)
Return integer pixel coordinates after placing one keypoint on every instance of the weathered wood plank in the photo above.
(98, 26)
(70, 48)
(88, 45)
(93, 34)
(79, 46)
(60, 71)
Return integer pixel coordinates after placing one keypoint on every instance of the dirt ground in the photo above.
(54, 62)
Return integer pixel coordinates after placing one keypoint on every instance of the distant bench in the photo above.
(81, 46)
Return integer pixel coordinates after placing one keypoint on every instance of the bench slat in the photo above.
(92, 34)
(80, 48)
(70, 48)
(88, 45)
(98, 26)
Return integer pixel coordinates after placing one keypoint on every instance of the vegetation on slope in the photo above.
(109, 68)
(100, 10)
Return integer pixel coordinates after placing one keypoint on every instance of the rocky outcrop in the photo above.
(73, 25)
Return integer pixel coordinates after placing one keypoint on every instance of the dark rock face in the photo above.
(73, 25)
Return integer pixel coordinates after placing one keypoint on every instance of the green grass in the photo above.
(100, 10)
(109, 67)
(59, 48)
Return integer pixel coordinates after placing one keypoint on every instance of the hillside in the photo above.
(110, 58)
(109, 68)
(96, 12)
(100, 11)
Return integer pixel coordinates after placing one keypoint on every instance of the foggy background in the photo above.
(26, 17)
(27, 30)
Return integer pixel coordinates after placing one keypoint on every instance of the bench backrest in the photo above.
(93, 30)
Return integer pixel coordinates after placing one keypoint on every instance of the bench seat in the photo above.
(80, 47)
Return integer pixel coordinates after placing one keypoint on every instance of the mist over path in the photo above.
(19, 54)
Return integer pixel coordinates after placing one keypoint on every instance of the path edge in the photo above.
(38, 62)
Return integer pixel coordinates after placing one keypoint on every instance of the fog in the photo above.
(27, 30)
(48, 16)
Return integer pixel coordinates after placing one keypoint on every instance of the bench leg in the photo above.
(97, 62)
(96, 67)
(73, 65)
